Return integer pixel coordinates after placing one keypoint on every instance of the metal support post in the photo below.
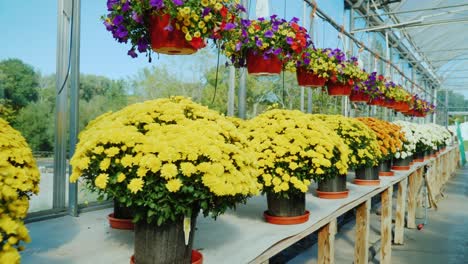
(74, 99)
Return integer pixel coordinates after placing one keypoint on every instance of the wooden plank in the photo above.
(386, 227)
(326, 243)
(361, 245)
(400, 212)
(411, 219)
(281, 245)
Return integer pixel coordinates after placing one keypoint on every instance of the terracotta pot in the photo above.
(286, 220)
(118, 223)
(258, 65)
(334, 188)
(197, 258)
(308, 78)
(338, 89)
(358, 96)
(168, 42)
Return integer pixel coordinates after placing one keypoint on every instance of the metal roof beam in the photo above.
(411, 11)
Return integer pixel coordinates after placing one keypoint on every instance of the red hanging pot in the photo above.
(402, 107)
(376, 101)
(257, 64)
(338, 89)
(359, 96)
(166, 41)
(308, 78)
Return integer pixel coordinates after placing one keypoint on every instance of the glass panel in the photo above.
(27, 82)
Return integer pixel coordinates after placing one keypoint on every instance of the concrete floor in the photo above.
(443, 240)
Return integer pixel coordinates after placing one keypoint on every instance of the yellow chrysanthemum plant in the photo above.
(363, 147)
(167, 159)
(390, 138)
(360, 139)
(292, 150)
(19, 179)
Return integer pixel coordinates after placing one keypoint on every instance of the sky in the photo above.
(29, 32)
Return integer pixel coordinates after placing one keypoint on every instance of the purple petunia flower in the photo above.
(259, 43)
(277, 51)
(159, 4)
(246, 22)
(108, 25)
(111, 3)
(117, 20)
(238, 46)
(132, 53)
(268, 34)
(169, 27)
(126, 6)
(229, 26)
(289, 40)
(206, 11)
(295, 19)
(137, 18)
(306, 61)
(142, 45)
(241, 8)
(178, 2)
(121, 32)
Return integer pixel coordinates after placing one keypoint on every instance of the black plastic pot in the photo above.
(367, 173)
(419, 155)
(163, 244)
(402, 162)
(336, 184)
(280, 206)
(122, 212)
(385, 165)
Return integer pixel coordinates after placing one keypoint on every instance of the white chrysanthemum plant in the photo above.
(425, 138)
(441, 135)
(409, 145)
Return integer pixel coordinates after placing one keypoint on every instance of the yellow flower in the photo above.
(188, 168)
(101, 180)
(135, 185)
(105, 163)
(188, 37)
(173, 185)
(121, 177)
(204, 2)
(169, 170)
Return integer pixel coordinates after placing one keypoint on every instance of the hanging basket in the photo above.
(402, 107)
(282, 211)
(167, 41)
(309, 79)
(338, 89)
(376, 101)
(257, 64)
(359, 96)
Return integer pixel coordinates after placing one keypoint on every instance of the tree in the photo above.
(36, 123)
(18, 83)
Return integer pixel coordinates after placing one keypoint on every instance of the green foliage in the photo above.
(18, 83)
(36, 123)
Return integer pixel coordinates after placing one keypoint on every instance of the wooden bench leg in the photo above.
(386, 227)
(411, 218)
(400, 212)
(361, 246)
(326, 243)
